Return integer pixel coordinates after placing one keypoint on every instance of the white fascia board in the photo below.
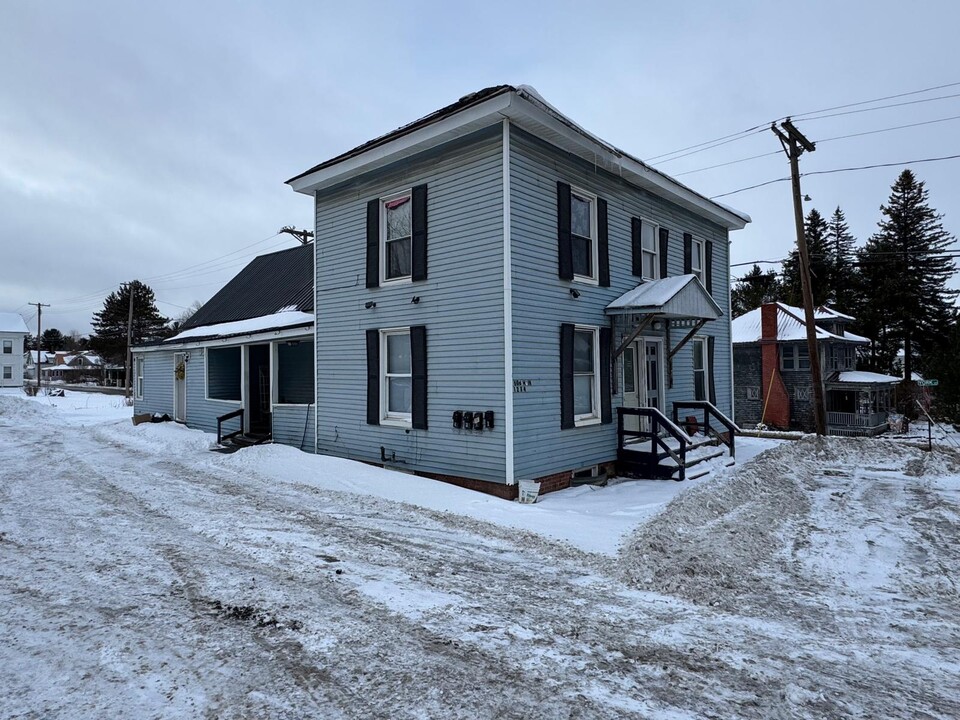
(592, 149)
(303, 332)
(461, 123)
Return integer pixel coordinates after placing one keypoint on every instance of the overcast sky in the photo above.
(145, 140)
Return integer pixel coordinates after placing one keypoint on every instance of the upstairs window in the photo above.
(8, 347)
(583, 230)
(794, 357)
(649, 247)
(696, 259)
(397, 237)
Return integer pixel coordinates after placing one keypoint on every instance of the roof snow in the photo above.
(862, 376)
(790, 325)
(12, 323)
(276, 321)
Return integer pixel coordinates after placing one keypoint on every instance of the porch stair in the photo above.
(665, 451)
(238, 442)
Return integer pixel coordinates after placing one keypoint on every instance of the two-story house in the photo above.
(772, 377)
(493, 282)
(13, 331)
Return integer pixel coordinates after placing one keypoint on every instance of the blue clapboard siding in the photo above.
(295, 425)
(461, 305)
(541, 302)
(157, 384)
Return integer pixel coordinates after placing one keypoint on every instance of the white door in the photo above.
(180, 387)
(653, 372)
(631, 385)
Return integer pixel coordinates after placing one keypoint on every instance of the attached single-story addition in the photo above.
(772, 377)
(13, 331)
(248, 352)
(478, 312)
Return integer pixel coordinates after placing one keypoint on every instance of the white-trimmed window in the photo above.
(138, 375)
(8, 372)
(396, 236)
(583, 234)
(586, 376)
(794, 357)
(650, 249)
(700, 369)
(396, 377)
(697, 259)
(8, 347)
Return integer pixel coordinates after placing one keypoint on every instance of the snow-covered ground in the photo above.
(143, 576)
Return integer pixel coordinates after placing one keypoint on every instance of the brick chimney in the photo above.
(776, 399)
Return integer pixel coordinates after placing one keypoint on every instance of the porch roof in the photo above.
(680, 296)
(862, 377)
(287, 318)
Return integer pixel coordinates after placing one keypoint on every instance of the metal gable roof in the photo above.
(269, 284)
(680, 296)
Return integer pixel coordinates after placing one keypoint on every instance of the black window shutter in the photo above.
(418, 367)
(603, 245)
(606, 409)
(373, 244)
(635, 245)
(687, 253)
(708, 265)
(566, 376)
(664, 244)
(564, 244)
(419, 250)
(712, 377)
(373, 377)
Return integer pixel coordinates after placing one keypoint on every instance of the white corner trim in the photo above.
(507, 312)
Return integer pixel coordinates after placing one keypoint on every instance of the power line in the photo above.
(839, 170)
(732, 162)
(711, 143)
(879, 107)
(800, 116)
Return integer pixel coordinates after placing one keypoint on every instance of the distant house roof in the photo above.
(526, 109)
(791, 325)
(270, 284)
(862, 377)
(12, 323)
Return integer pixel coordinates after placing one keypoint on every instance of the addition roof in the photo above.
(525, 108)
(280, 282)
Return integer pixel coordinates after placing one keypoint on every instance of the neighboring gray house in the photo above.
(772, 377)
(249, 348)
(493, 283)
(13, 330)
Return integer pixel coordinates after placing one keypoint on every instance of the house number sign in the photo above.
(520, 386)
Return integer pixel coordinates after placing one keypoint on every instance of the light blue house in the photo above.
(494, 285)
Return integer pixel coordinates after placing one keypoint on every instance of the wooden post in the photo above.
(127, 369)
(794, 143)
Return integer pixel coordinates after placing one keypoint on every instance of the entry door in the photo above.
(632, 384)
(653, 372)
(180, 387)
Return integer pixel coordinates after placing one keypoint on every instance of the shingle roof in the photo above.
(270, 283)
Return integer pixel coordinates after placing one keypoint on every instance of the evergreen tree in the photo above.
(753, 290)
(905, 271)
(109, 337)
(52, 340)
(844, 282)
(815, 230)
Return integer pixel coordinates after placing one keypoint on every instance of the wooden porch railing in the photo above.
(222, 419)
(842, 419)
(709, 411)
(658, 426)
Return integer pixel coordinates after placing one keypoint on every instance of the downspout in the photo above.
(316, 336)
(733, 403)
(507, 312)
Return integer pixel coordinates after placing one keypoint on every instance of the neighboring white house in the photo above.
(13, 330)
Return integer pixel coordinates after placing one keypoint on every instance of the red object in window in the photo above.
(393, 204)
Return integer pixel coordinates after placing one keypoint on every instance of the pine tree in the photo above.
(905, 271)
(844, 281)
(53, 340)
(109, 337)
(815, 230)
(753, 290)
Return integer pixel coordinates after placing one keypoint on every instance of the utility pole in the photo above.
(304, 236)
(40, 307)
(132, 287)
(794, 143)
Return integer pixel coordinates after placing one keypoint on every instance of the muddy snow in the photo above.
(143, 576)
